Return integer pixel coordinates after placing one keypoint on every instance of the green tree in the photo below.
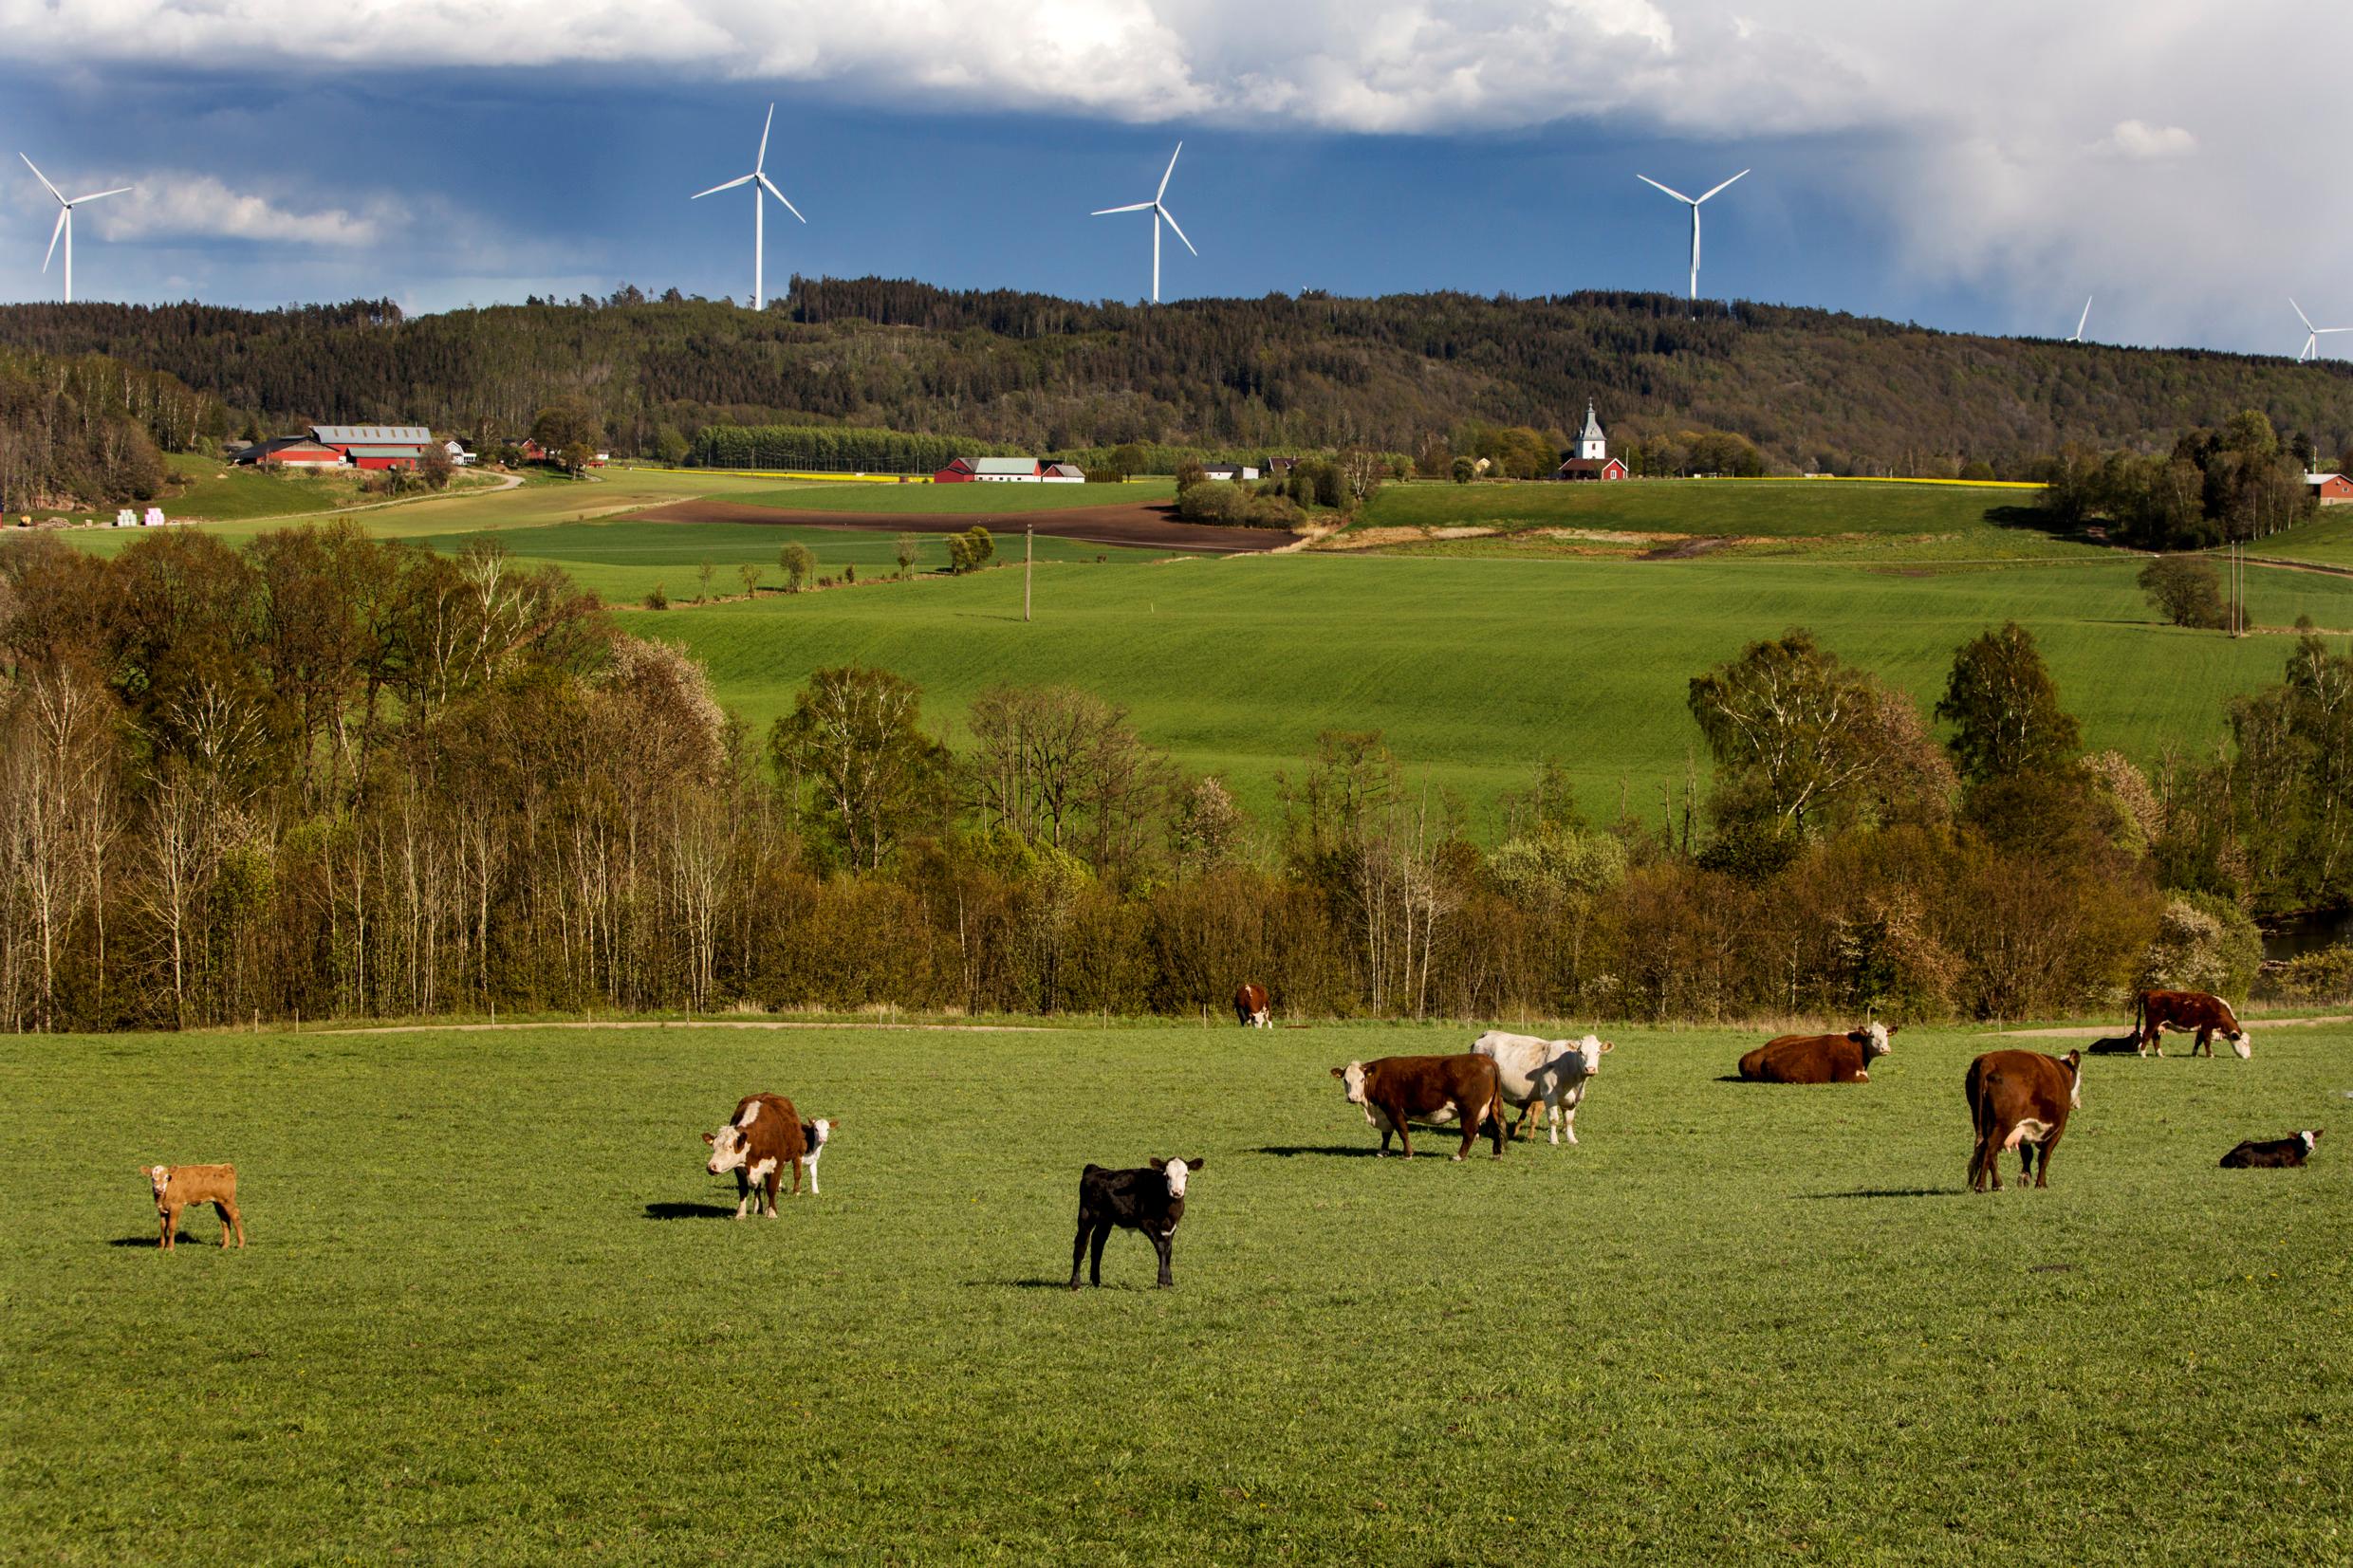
(2185, 590)
(435, 466)
(577, 457)
(750, 574)
(670, 445)
(703, 575)
(799, 564)
(566, 422)
(853, 754)
(908, 547)
(978, 548)
(1465, 470)
(2004, 707)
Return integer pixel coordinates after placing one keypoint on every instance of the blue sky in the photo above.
(1924, 167)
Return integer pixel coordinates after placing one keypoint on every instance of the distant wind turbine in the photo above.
(64, 220)
(1159, 213)
(1693, 203)
(759, 181)
(2081, 319)
(2311, 349)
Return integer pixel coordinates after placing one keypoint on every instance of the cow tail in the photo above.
(2140, 1014)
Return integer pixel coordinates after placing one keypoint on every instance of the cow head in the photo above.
(1353, 1076)
(159, 1177)
(1874, 1038)
(1176, 1172)
(728, 1147)
(2310, 1138)
(820, 1129)
(2243, 1044)
(2073, 1062)
(1589, 1052)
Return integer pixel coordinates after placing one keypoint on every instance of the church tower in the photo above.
(1590, 442)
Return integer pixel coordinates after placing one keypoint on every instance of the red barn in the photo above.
(2333, 488)
(967, 471)
(290, 451)
(1589, 468)
(376, 446)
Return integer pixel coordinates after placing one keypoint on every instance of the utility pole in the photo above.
(1028, 555)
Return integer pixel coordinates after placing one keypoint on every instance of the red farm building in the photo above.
(376, 446)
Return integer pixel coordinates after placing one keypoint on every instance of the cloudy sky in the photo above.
(1979, 167)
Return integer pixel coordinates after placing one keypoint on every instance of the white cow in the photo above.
(1553, 1072)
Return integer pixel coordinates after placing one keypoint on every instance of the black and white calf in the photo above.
(814, 1137)
(2273, 1154)
(1151, 1200)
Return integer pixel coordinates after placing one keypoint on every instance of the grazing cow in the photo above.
(2274, 1154)
(1435, 1088)
(2209, 1015)
(1151, 1199)
(1249, 1006)
(1819, 1058)
(1551, 1073)
(814, 1137)
(179, 1186)
(2131, 1044)
(2020, 1099)
(758, 1143)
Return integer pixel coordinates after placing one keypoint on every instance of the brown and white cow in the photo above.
(1249, 1006)
(1819, 1058)
(2020, 1099)
(1437, 1089)
(758, 1143)
(2208, 1014)
(177, 1186)
(1551, 1073)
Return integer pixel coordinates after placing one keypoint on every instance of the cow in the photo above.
(2274, 1154)
(1249, 1006)
(1150, 1199)
(2125, 1044)
(2020, 1099)
(758, 1143)
(1819, 1058)
(814, 1137)
(177, 1186)
(1551, 1073)
(2197, 1010)
(1435, 1088)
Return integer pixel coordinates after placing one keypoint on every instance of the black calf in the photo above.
(2272, 1154)
(1152, 1200)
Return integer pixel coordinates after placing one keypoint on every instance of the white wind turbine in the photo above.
(2081, 319)
(759, 181)
(2311, 349)
(1158, 214)
(64, 221)
(1693, 203)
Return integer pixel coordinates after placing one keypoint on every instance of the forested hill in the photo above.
(1812, 388)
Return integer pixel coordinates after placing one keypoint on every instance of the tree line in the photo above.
(89, 430)
(328, 775)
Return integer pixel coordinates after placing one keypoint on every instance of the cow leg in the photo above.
(2042, 1166)
(171, 1230)
(229, 1222)
(1405, 1136)
(164, 1229)
(1568, 1121)
(1077, 1250)
(1519, 1127)
(743, 1192)
(775, 1181)
(1094, 1258)
(1164, 1245)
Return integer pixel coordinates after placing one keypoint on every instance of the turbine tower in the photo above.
(2312, 335)
(759, 181)
(64, 221)
(1159, 213)
(2081, 319)
(1693, 203)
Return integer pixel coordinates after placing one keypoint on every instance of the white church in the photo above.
(1593, 460)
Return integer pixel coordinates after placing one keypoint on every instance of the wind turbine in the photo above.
(1158, 212)
(759, 181)
(2081, 319)
(64, 221)
(1694, 202)
(2311, 349)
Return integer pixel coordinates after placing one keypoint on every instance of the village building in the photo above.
(1002, 470)
(2334, 490)
(1593, 460)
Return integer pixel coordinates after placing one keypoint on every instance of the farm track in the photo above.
(679, 1023)
(1134, 525)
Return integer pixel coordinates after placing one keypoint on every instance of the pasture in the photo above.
(493, 1310)
(975, 500)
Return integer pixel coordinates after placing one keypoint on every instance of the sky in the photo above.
(1980, 167)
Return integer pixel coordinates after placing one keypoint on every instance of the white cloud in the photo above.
(179, 205)
(2137, 138)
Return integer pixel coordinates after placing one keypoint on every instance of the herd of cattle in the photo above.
(2018, 1103)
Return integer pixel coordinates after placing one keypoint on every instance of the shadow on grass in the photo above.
(154, 1242)
(689, 1212)
(1892, 1192)
(1335, 1151)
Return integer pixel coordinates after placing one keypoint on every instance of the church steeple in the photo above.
(1590, 442)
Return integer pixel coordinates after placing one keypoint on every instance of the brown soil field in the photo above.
(1135, 524)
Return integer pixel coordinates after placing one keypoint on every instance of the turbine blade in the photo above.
(2298, 310)
(1735, 179)
(65, 217)
(769, 186)
(729, 186)
(761, 162)
(95, 195)
(42, 177)
(1172, 223)
(2085, 317)
(1131, 207)
(1668, 189)
(1166, 173)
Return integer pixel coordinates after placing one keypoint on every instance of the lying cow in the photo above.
(2020, 1099)
(1551, 1073)
(1437, 1089)
(1249, 1006)
(177, 1186)
(2273, 1155)
(759, 1141)
(1151, 1199)
(1819, 1058)
(2209, 1015)
(814, 1137)
(2130, 1044)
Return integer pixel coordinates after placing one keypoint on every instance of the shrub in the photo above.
(657, 600)
(2322, 976)
(2185, 591)
(2203, 944)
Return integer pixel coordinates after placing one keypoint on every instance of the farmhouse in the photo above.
(1227, 470)
(1063, 473)
(2334, 490)
(1003, 470)
(290, 451)
(1593, 460)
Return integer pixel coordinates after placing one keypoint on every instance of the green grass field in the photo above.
(493, 1311)
(1475, 669)
(978, 500)
(1697, 506)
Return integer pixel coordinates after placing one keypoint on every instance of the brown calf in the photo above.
(179, 1186)
(2020, 1099)
(2208, 1014)
(1435, 1088)
(1818, 1059)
